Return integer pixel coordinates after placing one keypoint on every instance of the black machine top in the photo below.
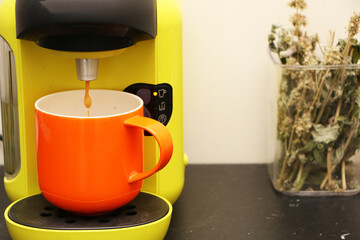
(86, 25)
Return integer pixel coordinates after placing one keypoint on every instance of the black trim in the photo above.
(84, 25)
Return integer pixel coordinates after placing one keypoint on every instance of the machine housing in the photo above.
(30, 69)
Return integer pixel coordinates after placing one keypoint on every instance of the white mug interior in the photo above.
(105, 103)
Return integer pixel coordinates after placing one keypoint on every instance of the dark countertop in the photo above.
(238, 202)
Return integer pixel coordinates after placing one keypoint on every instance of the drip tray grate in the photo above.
(37, 212)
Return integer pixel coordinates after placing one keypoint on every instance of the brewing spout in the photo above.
(87, 68)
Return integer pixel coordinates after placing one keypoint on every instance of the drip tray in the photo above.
(37, 212)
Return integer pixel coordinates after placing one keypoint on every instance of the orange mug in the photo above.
(94, 164)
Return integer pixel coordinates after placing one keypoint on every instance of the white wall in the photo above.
(226, 71)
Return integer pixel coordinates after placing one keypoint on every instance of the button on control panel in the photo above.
(158, 100)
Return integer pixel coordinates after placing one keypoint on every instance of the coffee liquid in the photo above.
(87, 98)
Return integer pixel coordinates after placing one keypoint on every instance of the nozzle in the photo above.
(87, 68)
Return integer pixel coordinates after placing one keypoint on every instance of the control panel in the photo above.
(158, 100)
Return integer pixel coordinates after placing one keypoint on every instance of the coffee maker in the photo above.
(48, 46)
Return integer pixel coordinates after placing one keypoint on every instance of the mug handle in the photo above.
(162, 136)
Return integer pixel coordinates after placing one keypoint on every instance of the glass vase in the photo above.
(315, 129)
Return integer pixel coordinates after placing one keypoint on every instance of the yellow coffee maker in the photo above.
(48, 46)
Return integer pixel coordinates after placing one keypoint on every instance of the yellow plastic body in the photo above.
(41, 72)
(151, 231)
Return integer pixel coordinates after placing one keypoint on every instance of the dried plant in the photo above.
(318, 106)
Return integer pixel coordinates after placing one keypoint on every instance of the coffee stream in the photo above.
(87, 98)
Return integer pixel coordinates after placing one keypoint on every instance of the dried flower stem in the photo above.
(281, 177)
(332, 85)
(299, 174)
(328, 164)
(293, 172)
(343, 177)
(326, 178)
(323, 107)
(322, 82)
